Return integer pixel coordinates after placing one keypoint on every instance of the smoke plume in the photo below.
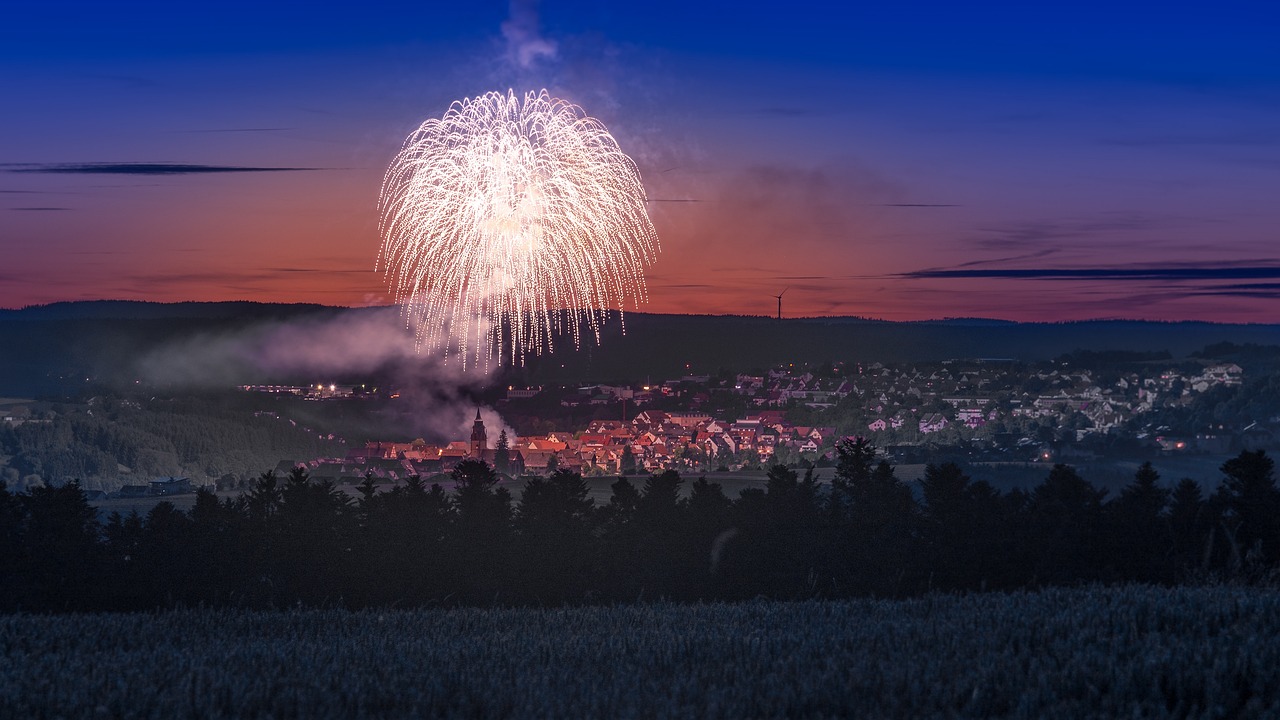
(436, 398)
(525, 43)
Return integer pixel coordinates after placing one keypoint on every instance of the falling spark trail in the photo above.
(509, 221)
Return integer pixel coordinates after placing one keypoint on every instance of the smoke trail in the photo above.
(436, 399)
(525, 43)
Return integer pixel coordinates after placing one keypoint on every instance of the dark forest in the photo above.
(292, 540)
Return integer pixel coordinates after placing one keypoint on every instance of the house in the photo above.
(649, 418)
(536, 461)
(878, 425)
(932, 422)
(170, 486)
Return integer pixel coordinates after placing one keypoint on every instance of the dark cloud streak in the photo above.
(1259, 138)
(238, 130)
(1150, 273)
(138, 169)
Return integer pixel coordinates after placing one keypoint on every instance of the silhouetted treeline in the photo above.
(294, 540)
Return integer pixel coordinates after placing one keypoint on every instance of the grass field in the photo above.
(1127, 652)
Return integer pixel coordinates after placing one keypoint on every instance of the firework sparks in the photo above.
(508, 222)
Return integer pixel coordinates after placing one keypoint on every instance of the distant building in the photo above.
(479, 440)
(170, 486)
(932, 422)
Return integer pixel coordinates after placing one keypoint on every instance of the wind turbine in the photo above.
(779, 297)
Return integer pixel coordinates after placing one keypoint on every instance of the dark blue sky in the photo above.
(890, 160)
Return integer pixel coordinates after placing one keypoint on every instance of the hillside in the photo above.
(51, 350)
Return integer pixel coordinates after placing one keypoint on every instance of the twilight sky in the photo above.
(891, 160)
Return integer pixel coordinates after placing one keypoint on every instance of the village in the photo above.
(724, 422)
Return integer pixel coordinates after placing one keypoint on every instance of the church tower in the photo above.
(479, 441)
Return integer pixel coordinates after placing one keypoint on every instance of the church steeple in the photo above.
(479, 440)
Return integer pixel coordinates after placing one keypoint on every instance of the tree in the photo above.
(263, 499)
(660, 498)
(400, 553)
(165, 553)
(623, 500)
(12, 515)
(662, 554)
(1140, 530)
(367, 487)
(482, 529)
(1188, 522)
(853, 460)
(779, 547)
(127, 571)
(1066, 513)
(502, 454)
(316, 525)
(944, 488)
(1252, 500)
(870, 518)
(1143, 500)
(61, 547)
(556, 519)
(627, 465)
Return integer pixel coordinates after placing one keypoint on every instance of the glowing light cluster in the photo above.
(509, 221)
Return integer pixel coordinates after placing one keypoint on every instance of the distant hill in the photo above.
(662, 345)
(139, 310)
(51, 349)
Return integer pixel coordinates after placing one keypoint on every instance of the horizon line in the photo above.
(762, 316)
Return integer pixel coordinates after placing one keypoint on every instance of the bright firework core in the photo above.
(510, 221)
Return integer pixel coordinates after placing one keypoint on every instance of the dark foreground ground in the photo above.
(1127, 652)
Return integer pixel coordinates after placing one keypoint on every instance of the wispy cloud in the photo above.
(137, 168)
(245, 279)
(320, 271)
(1012, 258)
(1020, 235)
(1250, 286)
(1223, 292)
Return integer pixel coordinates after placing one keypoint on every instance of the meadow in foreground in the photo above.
(1066, 653)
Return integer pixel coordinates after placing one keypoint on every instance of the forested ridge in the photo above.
(109, 441)
(56, 349)
(293, 540)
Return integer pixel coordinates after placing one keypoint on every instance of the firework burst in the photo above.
(508, 222)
